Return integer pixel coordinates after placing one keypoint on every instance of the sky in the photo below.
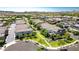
(46, 9)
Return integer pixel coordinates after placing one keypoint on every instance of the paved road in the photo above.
(74, 47)
(22, 46)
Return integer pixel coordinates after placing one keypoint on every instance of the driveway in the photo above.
(11, 34)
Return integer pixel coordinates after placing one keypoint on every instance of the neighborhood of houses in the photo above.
(40, 33)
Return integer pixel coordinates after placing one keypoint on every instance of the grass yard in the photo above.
(41, 49)
(57, 43)
(60, 42)
(40, 39)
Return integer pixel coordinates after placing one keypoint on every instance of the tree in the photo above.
(45, 32)
(20, 36)
(33, 33)
(70, 39)
(66, 35)
(35, 25)
(60, 25)
(56, 36)
(53, 36)
(28, 16)
(30, 21)
(38, 27)
(13, 18)
(76, 32)
(2, 41)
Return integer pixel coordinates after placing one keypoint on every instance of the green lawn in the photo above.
(57, 43)
(60, 42)
(38, 39)
(40, 49)
(43, 40)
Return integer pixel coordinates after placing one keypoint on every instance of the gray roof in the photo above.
(1, 23)
(55, 19)
(20, 22)
(50, 27)
(76, 25)
(2, 31)
(37, 21)
(22, 28)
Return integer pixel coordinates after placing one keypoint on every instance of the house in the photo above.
(77, 18)
(52, 29)
(76, 25)
(54, 20)
(20, 22)
(36, 21)
(22, 28)
(43, 17)
(1, 23)
(18, 18)
(57, 19)
(66, 18)
(2, 31)
(61, 31)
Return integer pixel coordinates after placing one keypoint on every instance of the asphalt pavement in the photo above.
(22, 46)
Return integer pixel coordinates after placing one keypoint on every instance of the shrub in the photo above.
(76, 32)
(56, 36)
